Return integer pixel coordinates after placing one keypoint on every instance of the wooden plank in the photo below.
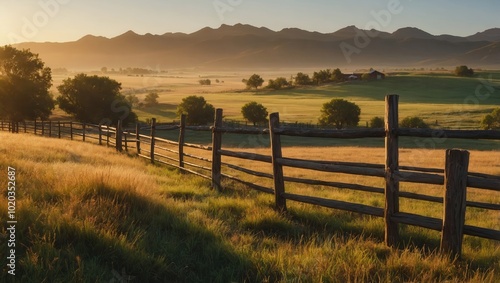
(391, 167)
(353, 207)
(339, 185)
(137, 138)
(197, 157)
(417, 177)
(418, 220)
(482, 232)
(246, 155)
(248, 171)
(166, 141)
(197, 166)
(338, 134)
(279, 182)
(198, 146)
(482, 183)
(216, 146)
(304, 164)
(457, 165)
(450, 134)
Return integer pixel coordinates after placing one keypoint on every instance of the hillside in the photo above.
(248, 47)
(88, 214)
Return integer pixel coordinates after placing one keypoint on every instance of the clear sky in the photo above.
(69, 20)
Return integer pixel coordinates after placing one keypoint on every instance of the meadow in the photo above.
(89, 214)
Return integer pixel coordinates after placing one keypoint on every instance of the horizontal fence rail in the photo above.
(206, 161)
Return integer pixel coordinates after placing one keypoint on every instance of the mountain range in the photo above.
(247, 47)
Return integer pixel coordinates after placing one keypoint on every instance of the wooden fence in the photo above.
(454, 178)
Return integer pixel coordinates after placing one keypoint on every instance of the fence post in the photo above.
(59, 129)
(35, 127)
(100, 134)
(43, 128)
(455, 182)
(138, 138)
(50, 128)
(279, 183)
(125, 141)
(216, 147)
(118, 136)
(71, 129)
(391, 168)
(24, 125)
(182, 132)
(83, 131)
(153, 132)
(107, 135)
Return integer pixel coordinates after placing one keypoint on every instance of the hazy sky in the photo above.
(69, 20)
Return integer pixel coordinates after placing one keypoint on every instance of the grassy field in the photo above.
(88, 214)
(450, 101)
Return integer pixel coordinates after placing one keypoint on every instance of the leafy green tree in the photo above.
(413, 122)
(95, 99)
(337, 75)
(198, 111)
(322, 76)
(254, 112)
(491, 121)
(302, 79)
(254, 81)
(339, 113)
(205, 82)
(278, 83)
(24, 85)
(464, 71)
(151, 99)
(377, 122)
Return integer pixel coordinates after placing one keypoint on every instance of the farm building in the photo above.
(376, 75)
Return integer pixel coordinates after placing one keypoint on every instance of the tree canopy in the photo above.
(95, 99)
(464, 71)
(413, 122)
(377, 122)
(491, 121)
(302, 79)
(255, 81)
(24, 85)
(254, 112)
(339, 113)
(198, 111)
(278, 83)
(151, 99)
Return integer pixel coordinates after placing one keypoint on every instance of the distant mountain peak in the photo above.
(411, 32)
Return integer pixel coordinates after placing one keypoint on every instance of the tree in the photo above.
(205, 82)
(302, 79)
(24, 86)
(323, 76)
(464, 71)
(198, 111)
(151, 99)
(413, 122)
(337, 75)
(278, 83)
(132, 100)
(377, 122)
(491, 121)
(254, 112)
(95, 99)
(254, 81)
(339, 113)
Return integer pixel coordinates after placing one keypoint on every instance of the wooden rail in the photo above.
(454, 178)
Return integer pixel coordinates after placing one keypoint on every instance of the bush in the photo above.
(377, 122)
(151, 99)
(205, 82)
(278, 83)
(339, 113)
(464, 71)
(491, 121)
(413, 122)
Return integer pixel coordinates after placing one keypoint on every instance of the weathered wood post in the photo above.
(125, 141)
(107, 135)
(138, 138)
(100, 133)
(50, 128)
(182, 133)
(84, 128)
(34, 127)
(118, 136)
(279, 183)
(216, 147)
(43, 128)
(153, 133)
(455, 182)
(59, 129)
(391, 169)
(71, 129)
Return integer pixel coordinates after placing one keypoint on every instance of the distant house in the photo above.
(352, 77)
(376, 75)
